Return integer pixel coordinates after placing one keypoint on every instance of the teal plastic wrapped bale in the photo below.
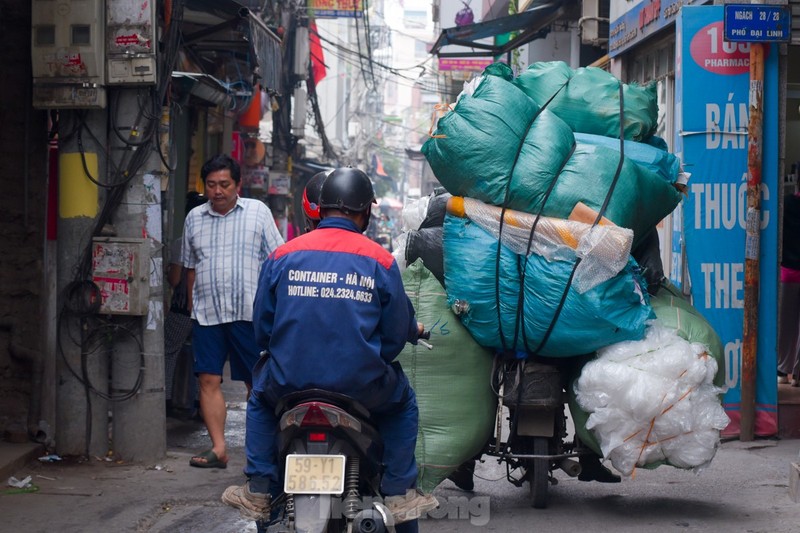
(497, 146)
(451, 381)
(663, 163)
(612, 311)
(588, 99)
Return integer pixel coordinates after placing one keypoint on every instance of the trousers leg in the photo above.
(788, 327)
(260, 446)
(397, 423)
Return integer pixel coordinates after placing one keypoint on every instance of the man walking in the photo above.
(225, 241)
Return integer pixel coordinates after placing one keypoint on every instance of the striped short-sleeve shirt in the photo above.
(226, 253)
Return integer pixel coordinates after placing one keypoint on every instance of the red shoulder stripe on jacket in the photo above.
(337, 240)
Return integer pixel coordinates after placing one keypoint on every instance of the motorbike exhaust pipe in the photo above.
(570, 466)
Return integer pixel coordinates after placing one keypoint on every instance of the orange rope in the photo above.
(646, 443)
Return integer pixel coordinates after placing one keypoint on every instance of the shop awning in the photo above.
(216, 32)
(529, 25)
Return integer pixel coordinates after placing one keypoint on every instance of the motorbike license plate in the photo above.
(314, 474)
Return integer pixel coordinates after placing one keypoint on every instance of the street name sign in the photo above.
(757, 23)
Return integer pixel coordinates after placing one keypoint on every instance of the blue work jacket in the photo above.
(332, 312)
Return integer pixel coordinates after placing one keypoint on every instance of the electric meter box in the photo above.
(130, 42)
(67, 53)
(121, 271)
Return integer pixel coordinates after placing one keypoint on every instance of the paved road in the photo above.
(745, 489)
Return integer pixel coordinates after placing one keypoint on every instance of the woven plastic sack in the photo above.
(666, 165)
(451, 381)
(497, 146)
(653, 402)
(588, 100)
(612, 311)
(675, 312)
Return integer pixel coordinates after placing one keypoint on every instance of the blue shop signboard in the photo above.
(712, 118)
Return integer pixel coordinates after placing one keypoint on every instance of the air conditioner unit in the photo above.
(594, 22)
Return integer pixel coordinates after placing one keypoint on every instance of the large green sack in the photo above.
(587, 99)
(451, 381)
(496, 145)
(674, 311)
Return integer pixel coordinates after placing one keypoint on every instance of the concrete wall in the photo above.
(23, 175)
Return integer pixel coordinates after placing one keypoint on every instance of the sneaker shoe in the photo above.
(782, 378)
(251, 505)
(411, 506)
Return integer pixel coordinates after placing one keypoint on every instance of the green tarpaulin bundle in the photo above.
(498, 146)
(451, 381)
(588, 99)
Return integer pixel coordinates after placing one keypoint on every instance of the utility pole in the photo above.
(752, 242)
(758, 24)
(81, 415)
(137, 360)
(283, 142)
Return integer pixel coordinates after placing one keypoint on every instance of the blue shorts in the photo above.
(213, 344)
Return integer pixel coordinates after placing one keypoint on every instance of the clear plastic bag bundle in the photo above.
(653, 402)
(604, 249)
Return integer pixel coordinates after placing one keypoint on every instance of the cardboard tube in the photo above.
(583, 213)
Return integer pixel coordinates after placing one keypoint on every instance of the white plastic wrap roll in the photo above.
(653, 401)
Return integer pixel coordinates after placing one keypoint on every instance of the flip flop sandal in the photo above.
(209, 459)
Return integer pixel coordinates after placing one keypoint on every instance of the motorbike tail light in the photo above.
(317, 436)
(315, 417)
(319, 414)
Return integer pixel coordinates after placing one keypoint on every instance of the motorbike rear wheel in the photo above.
(539, 473)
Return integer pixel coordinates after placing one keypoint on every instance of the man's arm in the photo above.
(271, 238)
(264, 306)
(189, 287)
(398, 321)
(174, 274)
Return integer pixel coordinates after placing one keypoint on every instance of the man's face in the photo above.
(222, 191)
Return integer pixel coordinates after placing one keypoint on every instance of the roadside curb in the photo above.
(14, 457)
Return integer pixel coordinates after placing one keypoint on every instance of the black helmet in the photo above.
(347, 189)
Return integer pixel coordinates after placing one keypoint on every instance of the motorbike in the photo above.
(331, 454)
(531, 402)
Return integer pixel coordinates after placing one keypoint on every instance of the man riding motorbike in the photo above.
(333, 314)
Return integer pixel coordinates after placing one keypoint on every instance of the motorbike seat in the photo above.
(342, 401)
